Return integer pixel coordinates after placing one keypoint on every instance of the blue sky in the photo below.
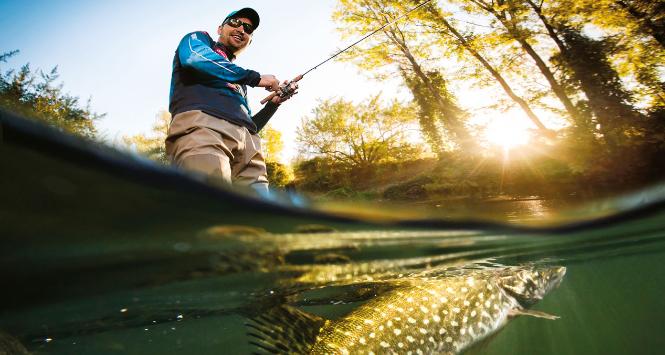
(119, 53)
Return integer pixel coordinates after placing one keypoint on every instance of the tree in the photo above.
(435, 18)
(358, 136)
(271, 143)
(279, 174)
(403, 47)
(511, 16)
(36, 95)
(152, 145)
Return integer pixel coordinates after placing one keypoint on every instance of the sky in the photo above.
(119, 53)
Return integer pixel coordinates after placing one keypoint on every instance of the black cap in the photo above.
(246, 12)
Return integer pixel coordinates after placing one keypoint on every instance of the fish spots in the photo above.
(381, 327)
(462, 331)
(436, 318)
(473, 313)
(362, 341)
(467, 303)
(456, 310)
(397, 331)
(368, 321)
(411, 320)
(400, 345)
(488, 304)
(422, 330)
(470, 281)
(442, 331)
(424, 309)
(409, 299)
(449, 340)
(425, 321)
(465, 319)
(465, 290)
(450, 290)
(384, 344)
(390, 323)
(443, 300)
(410, 339)
(372, 335)
(454, 323)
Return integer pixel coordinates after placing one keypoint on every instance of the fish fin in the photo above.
(284, 330)
(530, 312)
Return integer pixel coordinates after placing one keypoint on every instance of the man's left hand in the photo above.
(292, 88)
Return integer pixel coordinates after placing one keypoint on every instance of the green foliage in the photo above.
(358, 137)
(152, 145)
(279, 174)
(271, 143)
(320, 174)
(36, 95)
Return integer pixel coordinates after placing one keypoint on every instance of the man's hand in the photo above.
(269, 82)
(290, 87)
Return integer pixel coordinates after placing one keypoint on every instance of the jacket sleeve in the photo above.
(194, 52)
(262, 117)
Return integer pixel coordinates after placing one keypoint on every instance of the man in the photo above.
(212, 130)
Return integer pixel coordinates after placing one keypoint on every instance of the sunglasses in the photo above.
(235, 23)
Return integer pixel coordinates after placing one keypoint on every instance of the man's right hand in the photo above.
(269, 82)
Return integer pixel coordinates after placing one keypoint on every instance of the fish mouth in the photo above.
(530, 291)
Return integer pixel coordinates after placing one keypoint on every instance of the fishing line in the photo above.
(288, 89)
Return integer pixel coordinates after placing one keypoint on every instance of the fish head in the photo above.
(528, 285)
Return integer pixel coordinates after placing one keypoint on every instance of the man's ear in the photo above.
(219, 30)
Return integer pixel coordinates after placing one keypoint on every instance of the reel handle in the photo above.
(272, 94)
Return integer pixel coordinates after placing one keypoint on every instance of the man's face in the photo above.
(235, 39)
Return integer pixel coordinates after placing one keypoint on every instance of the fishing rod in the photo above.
(288, 89)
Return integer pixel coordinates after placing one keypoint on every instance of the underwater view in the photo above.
(432, 177)
(105, 253)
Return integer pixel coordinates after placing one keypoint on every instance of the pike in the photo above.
(423, 315)
(287, 89)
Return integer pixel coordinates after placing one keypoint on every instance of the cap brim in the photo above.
(248, 13)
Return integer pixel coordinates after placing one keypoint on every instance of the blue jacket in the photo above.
(204, 78)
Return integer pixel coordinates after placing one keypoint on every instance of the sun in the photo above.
(506, 133)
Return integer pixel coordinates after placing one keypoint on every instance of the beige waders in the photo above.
(221, 150)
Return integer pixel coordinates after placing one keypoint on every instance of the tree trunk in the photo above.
(497, 76)
(451, 113)
(515, 32)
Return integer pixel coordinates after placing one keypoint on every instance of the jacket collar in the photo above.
(223, 51)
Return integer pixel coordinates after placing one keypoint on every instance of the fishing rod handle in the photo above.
(272, 94)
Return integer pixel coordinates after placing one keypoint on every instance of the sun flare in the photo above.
(506, 135)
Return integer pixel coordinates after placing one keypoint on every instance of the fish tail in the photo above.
(284, 330)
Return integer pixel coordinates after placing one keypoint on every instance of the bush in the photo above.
(279, 175)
